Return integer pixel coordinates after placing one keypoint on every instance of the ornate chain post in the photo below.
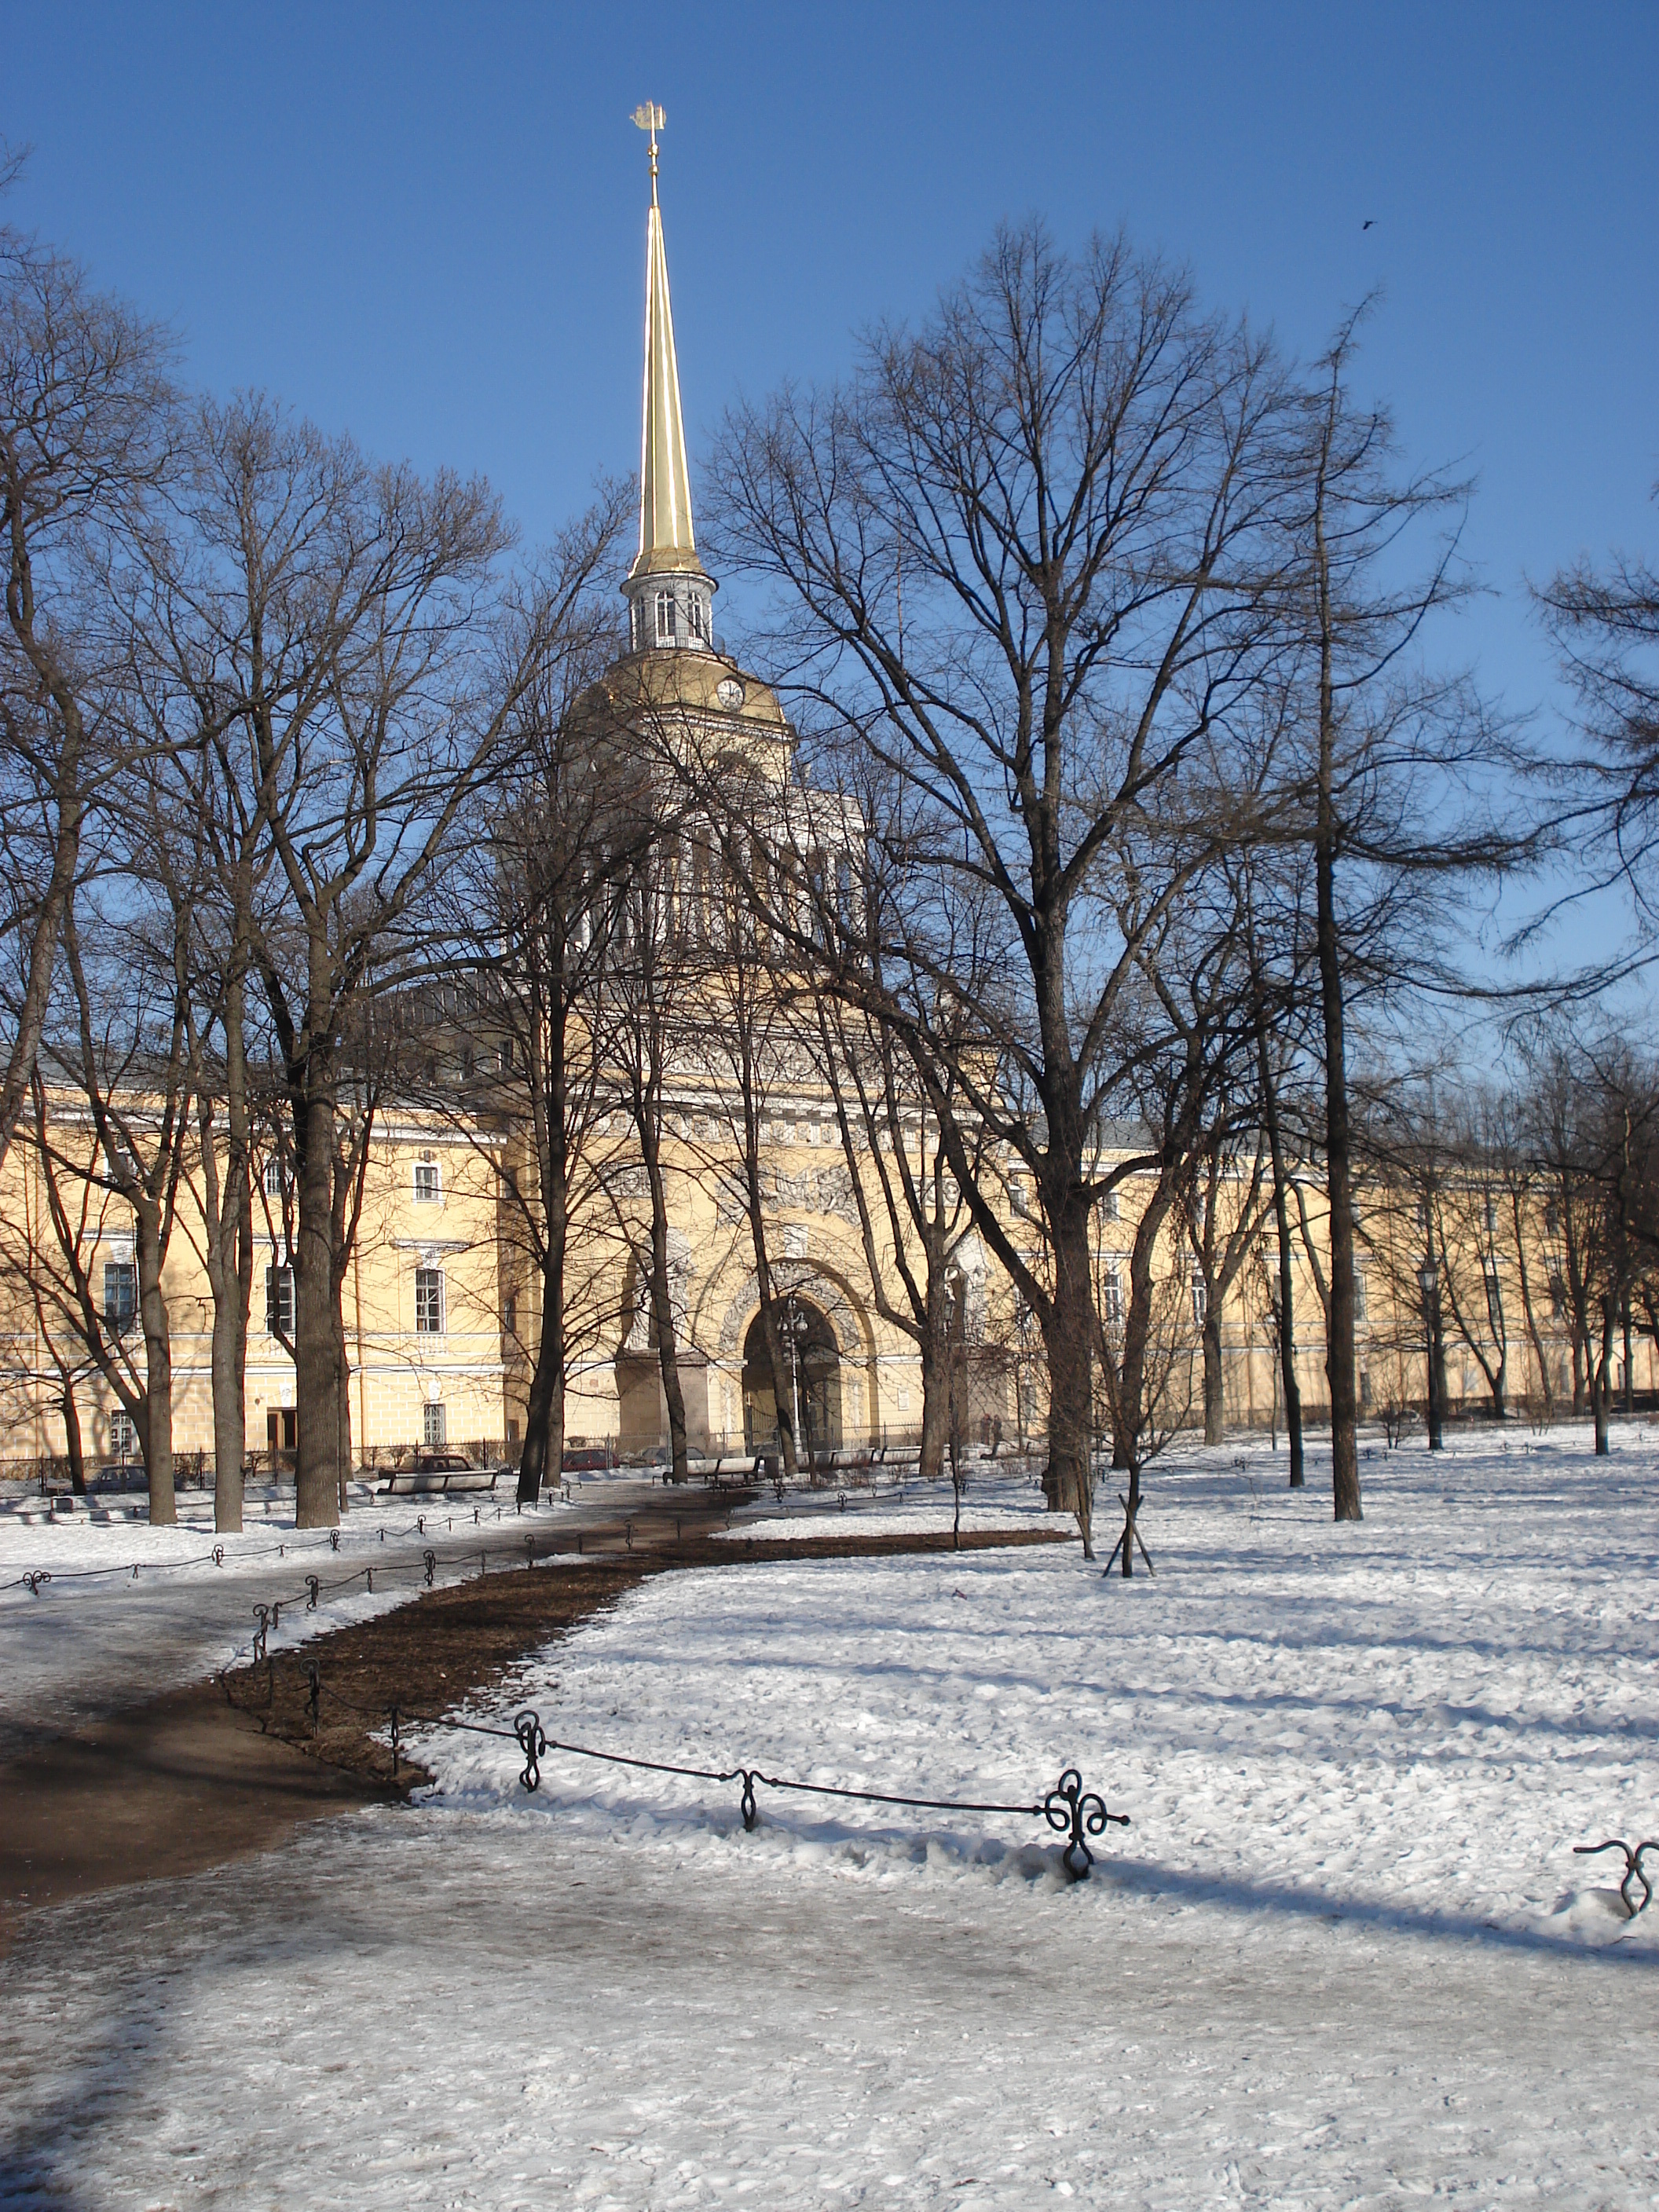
(1068, 1805)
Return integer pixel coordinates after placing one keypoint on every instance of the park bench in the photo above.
(441, 1473)
(740, 1467)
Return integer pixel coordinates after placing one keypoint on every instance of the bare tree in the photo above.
(647, 993)
(1028, 554)
(1606, 624)
(1595, 1114)
(351, 619)
(1390, 747)
(125, 1058)
(1274, 1000)
(539, 902)
(85, 406)
(908, 1204)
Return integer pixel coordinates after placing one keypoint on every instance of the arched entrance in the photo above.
(811, 1377)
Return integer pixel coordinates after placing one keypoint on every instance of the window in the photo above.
(1552, 1219)
(426, 1182)
(279, 1302)
(1112, 1297)
(665, 619)
(273, 1175)
(1111, 1204)
(510, 1317)
(429, 1301)
(434, 1429)
(698, 619)
(121, 1293)
(123, 1435)
(1361, 1310)
(1558, 1299)
(1200, 1299)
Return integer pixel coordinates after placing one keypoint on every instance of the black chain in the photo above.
(1066, 1805)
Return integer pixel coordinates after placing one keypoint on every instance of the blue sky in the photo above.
(426, 225)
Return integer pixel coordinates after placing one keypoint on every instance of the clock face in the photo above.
(729, 692)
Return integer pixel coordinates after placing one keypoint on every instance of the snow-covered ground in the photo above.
(1343, 1956)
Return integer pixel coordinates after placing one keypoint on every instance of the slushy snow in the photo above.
(1343, 1955)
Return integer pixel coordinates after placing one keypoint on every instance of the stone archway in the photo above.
(814, 1360)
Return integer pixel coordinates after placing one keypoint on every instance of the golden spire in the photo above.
(666, 536)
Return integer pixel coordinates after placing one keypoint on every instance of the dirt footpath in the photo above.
(236, 1766)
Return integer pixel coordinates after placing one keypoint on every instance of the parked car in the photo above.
(118, 1474)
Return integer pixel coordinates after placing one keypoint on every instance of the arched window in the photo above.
(665, 619)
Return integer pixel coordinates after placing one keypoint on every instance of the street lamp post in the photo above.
(797, 1327)
(1428, 1276)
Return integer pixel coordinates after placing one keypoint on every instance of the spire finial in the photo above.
(649, 117)
(667, 540)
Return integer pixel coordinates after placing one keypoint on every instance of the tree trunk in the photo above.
(1214, 1376)
(158, 1372)
(1340, 1326)
(316, 1335)
(342, 1381)
(1601, 1386)
(1068, 1337)
(1128, 1566)
(1339, 1348)
(935, 1380)
(781, 1371)
(229, 1356)
(1286, 1272)
(543, 1431)
(662, 1296)
(77, 1457)
(227, 1257)
(542, 1459)
(1437, 1353)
